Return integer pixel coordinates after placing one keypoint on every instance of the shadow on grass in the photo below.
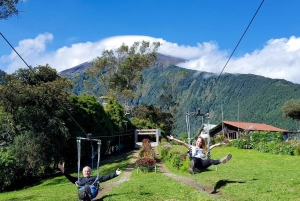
(25, 198)
(223, 183)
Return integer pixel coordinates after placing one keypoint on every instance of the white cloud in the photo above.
(279, 58)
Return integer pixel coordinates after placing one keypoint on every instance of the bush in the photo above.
(146, 159)
(7, 165)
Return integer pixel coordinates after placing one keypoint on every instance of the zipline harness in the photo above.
(92, 156)
(207, 136)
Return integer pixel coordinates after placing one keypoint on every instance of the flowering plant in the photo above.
(145, 162)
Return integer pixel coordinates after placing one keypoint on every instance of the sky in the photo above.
(67, 33)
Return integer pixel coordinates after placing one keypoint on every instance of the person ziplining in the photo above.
(198, 154)
(88, 186)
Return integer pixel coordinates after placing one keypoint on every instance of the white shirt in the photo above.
(197, 152)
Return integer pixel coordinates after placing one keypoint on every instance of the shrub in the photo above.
(165, 151)
(145, 162)
(146, 156)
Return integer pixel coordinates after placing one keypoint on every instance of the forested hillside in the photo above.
(243, 97)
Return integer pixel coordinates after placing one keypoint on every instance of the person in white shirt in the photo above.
(198, 154)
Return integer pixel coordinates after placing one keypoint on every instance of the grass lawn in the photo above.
(250, 175)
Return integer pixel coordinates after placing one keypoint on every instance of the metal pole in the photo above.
(208, 137)
(78, 154)
(98, 162)
(187, 118)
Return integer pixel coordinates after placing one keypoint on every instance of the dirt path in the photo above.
(160, 165)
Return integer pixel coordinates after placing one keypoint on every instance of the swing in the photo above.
(88, 138)
(197, 113)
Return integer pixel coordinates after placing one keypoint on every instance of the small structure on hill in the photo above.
(152, 134)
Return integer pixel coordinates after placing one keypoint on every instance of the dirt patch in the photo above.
(160, 165)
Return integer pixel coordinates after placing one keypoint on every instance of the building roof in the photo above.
(254, 126)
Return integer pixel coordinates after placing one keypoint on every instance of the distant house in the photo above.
(233, 129)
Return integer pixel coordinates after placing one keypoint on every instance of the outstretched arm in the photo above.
(216, 145)
(62, 169)
(109, 176)
(179, 141)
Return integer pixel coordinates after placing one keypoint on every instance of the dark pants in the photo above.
(203, 164)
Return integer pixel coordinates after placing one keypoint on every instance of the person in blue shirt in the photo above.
(198, 154)
(88, 185)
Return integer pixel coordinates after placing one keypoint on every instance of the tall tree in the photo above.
(120, 70)
(8, 8)
(35, 99)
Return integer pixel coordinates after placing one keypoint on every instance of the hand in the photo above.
(118, 171)
(61, 167)
(170, 137)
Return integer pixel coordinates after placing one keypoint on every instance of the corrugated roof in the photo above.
(254, 126)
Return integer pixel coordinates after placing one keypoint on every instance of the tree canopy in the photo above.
(291, 109)
(8, 8)
(120, 70)
(33, 102)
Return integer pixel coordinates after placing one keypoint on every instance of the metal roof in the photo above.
(254, 126)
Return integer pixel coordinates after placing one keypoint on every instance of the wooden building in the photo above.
(234, 129)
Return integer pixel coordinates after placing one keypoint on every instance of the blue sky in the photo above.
(204, 32)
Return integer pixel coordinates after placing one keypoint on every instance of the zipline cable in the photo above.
(240, 39)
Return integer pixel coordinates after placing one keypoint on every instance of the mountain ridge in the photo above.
(259, 98)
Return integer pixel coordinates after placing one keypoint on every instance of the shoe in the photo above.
(87, 189)
(85, 194)
(191, 167)
(81, 195)
(226, 158)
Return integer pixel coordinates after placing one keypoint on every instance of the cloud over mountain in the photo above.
(279, 58)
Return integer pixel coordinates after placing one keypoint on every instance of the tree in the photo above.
(2, 74)
(291, 109)
(8, 8)
(6, 128)
(149, 116)
(35, 99)
(116, 113)
(120, 71)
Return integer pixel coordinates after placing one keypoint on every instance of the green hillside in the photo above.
(243, 97)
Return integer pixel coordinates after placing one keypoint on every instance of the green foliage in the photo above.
(7, 164)
(151, 117)
(6, 128)
(90, 114)
(33, 101)
(291, 108)
(142, 123)
(177, 157)
(271, 142)
(2, 74)
(120, 71)
(116, 113)
(184, 164)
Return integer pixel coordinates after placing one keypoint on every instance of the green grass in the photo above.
(250, 175)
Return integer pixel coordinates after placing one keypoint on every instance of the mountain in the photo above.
(162, 60)
(71, 72)
(236, 97)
